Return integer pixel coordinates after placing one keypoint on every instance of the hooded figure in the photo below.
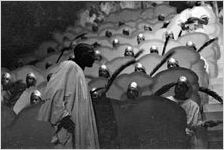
(68, 105)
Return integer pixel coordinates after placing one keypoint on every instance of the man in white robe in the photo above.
(68, 103)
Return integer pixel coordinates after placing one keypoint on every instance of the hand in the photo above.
(67, 123)
(189, 132)
(210, 123)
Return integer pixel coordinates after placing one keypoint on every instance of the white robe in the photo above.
(198, 139)
(67, 92)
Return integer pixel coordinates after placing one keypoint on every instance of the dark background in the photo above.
(24, 25)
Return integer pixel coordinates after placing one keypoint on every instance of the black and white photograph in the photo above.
(112, 74)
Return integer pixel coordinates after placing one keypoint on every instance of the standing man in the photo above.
(68, 105)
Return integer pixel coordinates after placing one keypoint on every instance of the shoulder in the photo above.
(192, 104)
(69, 64)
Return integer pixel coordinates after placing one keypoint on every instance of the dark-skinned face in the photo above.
(104, 73)
(88, 58)
(180, 91)
(5, 82)
(132, 93)
(129, 53)
(172, 65)
(30, 81)
(35, 99)
(140, 70)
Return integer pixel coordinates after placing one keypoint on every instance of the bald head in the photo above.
(84, 55)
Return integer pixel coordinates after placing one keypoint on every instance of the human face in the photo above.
(132, 93)
(154, 49)
(30, 81)
(140, 38)
(172, 63)
(89, 58)
(104, 73)
(5, 80)
(35, 99)
(129, 51)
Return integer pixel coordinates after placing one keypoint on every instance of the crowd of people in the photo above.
(67, 101)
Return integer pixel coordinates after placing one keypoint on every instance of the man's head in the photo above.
(126, 32)
(30, 79)
(172, 63)
(191, 44)
(154, 49)
(183, 89)
(94, 94)
(108, 34)
(104, 72)
(140, 38)
(139, 68)
(98, 55)
(133, 90)
(35, 97)
(6, 80)
(129, 51)
(97, 95)
(161, 17)
(84, 55)
(115, 42)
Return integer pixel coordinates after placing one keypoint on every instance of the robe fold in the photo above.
(67, 93)
(24, 100)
